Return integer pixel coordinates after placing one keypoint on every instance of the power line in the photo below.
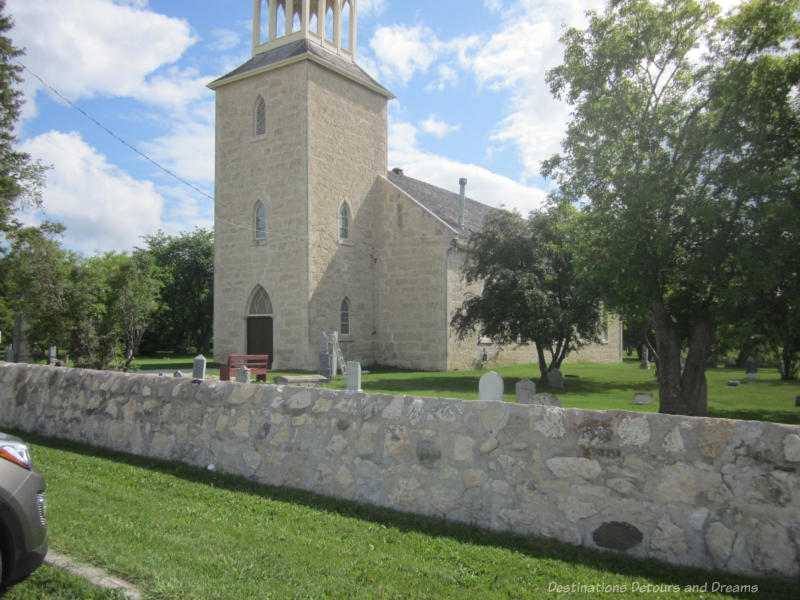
(115, 136)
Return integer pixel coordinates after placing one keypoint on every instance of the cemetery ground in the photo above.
(175, 531)
(591, 386)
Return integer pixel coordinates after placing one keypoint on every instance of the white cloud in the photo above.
(187, 149)
(225, 39)
(90, 47)
(103, 207)
(370, 7)
(437, 127)
(402, 51)
(483, 185)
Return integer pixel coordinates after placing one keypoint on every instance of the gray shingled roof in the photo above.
(299, 48)
(442, 203)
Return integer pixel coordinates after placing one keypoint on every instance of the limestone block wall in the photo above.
(347, 151)
(704, 492)
(272, 169)
(412, 248)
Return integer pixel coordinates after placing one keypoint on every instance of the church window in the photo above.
(344, 222)
(261, 117)
(344, 320)
(345, 25)
(261, 221)
(260, 304)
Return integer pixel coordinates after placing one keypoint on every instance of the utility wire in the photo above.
(115, 136)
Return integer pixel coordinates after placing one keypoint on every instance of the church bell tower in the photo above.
(301, 135)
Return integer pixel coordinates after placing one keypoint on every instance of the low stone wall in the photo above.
(704, 492)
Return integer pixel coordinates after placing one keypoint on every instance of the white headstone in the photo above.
(353, 376)
(334, 359)
(490, 387)
(243, 374)
(177, 374)
(643, 399)
(199, 368)
(51, 356)
(526, 391)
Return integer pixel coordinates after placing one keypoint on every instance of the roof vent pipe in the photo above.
(463, 183)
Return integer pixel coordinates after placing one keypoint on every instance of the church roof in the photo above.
(295, 51)
(442, 203)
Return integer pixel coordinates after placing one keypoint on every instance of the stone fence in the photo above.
(709, 493)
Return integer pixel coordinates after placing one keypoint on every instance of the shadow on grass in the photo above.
(638, 569)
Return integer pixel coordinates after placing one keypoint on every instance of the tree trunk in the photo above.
(682, 392)
(542, 362)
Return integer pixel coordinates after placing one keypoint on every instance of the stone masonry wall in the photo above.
(692, 491)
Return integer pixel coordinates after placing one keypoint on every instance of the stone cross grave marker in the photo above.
(645, 364)
(199, 367)
(490, 387)
(354, 376)
(243, 374)
(526, 391)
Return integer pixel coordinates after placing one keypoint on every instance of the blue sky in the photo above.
(468, 75)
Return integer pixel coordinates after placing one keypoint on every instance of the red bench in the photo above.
(257, 363)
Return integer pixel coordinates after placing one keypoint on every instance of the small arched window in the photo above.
(344, 222)
(344, 317)
(260, 121)
(261, 221)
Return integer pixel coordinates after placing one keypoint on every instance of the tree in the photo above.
(530, 291)
(136, 293)
(185, 267)
(682, 151)
(21, 178)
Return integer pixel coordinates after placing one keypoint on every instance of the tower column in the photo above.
(273, 19)
(337, 24)
(256, 24)
(353, 11)
(305, 15)
(321, 18)
(289, 10)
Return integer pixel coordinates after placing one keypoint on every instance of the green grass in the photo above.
(181, 532)
(591, 386)
(52, 583)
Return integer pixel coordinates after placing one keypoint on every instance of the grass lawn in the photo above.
(593, 386)
(181, 532)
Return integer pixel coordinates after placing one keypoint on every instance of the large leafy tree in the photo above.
(21, 178)
(530, 292)
(683, 151)
(183, 317)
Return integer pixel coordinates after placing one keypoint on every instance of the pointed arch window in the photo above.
(260, 221)
(260, 120)
(260, 305)
(344, 317)
(344, 221)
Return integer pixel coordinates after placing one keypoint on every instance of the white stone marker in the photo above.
(490, 387)
(354, 376)
(199, 368)
(243, 374)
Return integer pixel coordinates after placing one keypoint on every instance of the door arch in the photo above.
(260, 338)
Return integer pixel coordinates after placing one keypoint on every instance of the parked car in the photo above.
(23, 529)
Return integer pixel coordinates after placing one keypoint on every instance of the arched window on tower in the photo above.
(344, 222)
(344, 317)
(283, 24)
(260, 118)
(260, 222)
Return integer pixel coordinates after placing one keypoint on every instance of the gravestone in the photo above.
(526, 390)
(334, 357)
(750, 369)
(732, 383)
(645, 364)
(547, 400)
(177, 374)
(643, 399)
(51, 356)
(243, 375)
(730, 363)
(490, 387)
(9, 357)
(555, 379)
(354, 376)
(324, 356)
(199, 367)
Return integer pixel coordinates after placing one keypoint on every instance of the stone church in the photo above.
(313, 233)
